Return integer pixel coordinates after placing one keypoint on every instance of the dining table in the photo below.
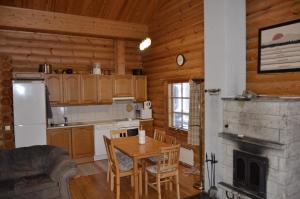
(131, 147)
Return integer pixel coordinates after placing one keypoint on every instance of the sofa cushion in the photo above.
(26, 185)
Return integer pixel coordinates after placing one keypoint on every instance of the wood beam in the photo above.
(120, 53)
(43, 21)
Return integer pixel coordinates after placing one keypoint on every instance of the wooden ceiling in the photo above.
(135, 11)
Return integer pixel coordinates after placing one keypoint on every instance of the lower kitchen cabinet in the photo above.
(147, 125)
(60, 137)
(83, 142)
(78, 141)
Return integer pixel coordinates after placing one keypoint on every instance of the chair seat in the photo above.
(153, 169)
(125, 162)
(155, 158)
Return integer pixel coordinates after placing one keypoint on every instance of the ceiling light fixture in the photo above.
(145, 44)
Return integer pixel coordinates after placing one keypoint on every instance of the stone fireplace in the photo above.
(261, 148)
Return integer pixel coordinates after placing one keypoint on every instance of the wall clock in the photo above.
(180, 60)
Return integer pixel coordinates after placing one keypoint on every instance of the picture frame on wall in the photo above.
(279, 48)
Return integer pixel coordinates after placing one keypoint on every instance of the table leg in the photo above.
(136, 178)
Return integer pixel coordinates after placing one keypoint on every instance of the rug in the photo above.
(88, 169)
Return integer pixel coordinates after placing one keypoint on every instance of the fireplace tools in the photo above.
(213, 190)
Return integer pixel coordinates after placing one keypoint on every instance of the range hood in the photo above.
(123, 98)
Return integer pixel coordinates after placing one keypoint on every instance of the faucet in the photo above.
(66, 120)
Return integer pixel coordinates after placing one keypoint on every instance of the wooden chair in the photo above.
(165, 170)
(119, 169)
(159, 135)
(118, 133)
(170, 140)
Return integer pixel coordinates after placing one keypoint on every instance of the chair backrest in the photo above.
(170, 140)
(170, 160)
(118, 133)
(111, 155)
(159, 135)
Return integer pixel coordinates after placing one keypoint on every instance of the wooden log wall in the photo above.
(6, 113)
(262, 13)
(29, 49)
(177, 27)
(133, 56)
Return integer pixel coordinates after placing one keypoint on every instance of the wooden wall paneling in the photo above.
(42, 21)
(6, 112)
(262, 13)
(176, 27)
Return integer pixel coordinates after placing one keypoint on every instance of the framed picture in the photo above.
(279, 48)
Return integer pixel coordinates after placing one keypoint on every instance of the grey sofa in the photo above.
(35, 172)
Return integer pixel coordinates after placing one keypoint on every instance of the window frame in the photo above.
(171, 111)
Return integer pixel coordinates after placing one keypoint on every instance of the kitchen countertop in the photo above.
(78, 124)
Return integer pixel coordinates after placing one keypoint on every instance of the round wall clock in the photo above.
(180, 60)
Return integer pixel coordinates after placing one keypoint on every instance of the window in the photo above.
(179, 102)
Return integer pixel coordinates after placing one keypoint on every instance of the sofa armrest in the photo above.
(64, 181)
(62, 169)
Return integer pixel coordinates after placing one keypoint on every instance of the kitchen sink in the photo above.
(59, 125)
(67, 124)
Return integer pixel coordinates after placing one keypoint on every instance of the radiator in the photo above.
(186, 156)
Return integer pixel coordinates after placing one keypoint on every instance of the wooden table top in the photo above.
(131, 147)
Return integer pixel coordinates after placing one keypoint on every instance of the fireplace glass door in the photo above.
(250, 172)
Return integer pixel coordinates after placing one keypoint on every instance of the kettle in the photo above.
(45, 68)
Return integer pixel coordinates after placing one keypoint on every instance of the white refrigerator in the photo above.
(29, 103)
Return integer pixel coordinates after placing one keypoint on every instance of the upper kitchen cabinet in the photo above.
(71, 89)
(88, 89)
(54, 85)
(123, 86)
(105, 89)
(140, 88)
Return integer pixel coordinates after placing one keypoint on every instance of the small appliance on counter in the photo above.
(145, 112)
(96, 69)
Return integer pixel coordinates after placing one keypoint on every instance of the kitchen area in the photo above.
(74, 111)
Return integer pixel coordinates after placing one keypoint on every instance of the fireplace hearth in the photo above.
(250, 172)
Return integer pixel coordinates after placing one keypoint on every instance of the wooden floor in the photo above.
(96, 187)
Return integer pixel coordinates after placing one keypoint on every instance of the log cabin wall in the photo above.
(6, 113)
(262, 13)
(29, 49)
(176, 27)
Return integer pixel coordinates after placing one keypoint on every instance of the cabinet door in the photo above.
(123, 86)
(60, 137)
(88, 89)
(71, 87)
(82, 142)
(54, 85)
(140, 88)
(147, 125)
(105, 89)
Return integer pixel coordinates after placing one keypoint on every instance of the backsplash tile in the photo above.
(117, 110)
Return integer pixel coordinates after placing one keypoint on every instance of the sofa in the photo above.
(35, 172)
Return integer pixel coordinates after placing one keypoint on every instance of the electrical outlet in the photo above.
(7, 128)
